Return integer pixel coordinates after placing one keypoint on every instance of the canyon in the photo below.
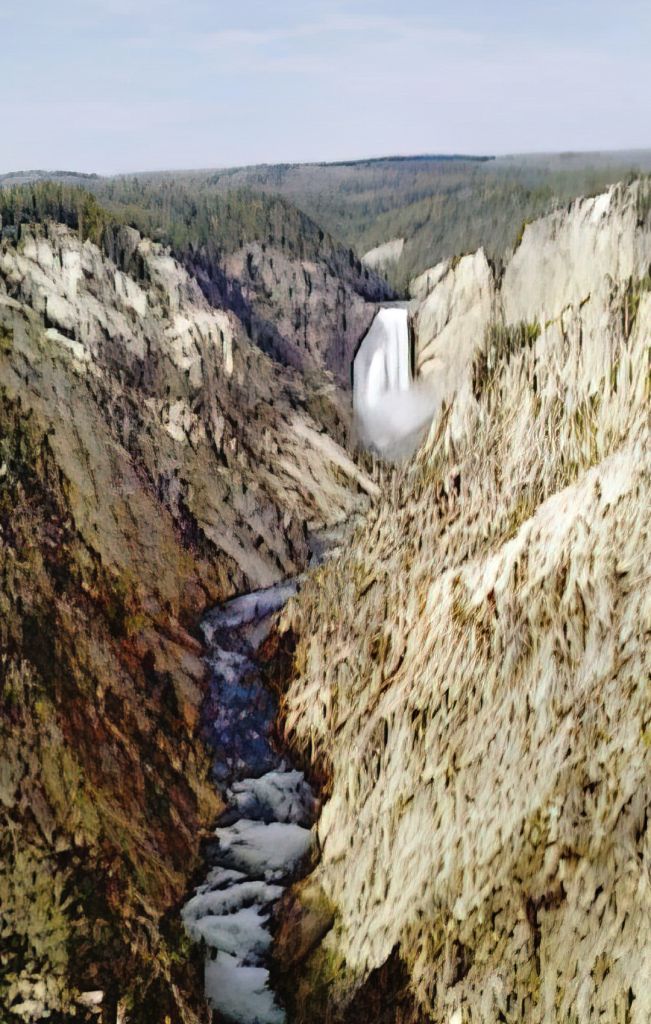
(292, 730)
(472, 672)
(154, 461)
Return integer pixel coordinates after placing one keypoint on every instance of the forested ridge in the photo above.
(187, 217)
(303, 298)
(441, 205)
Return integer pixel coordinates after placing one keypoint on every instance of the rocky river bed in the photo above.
(264, 835)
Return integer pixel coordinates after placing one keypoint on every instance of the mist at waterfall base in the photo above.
(392, 411)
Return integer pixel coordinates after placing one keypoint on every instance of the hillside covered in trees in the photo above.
(303, 298)
(441, 206)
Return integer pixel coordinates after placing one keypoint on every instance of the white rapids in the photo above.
(265, 833)
(391, 408)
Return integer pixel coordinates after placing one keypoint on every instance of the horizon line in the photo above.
(347, 162)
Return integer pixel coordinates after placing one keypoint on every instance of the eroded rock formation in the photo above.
(472, 671)
(152, 461)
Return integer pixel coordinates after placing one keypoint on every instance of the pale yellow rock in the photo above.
(456, 302)
(384, 255)
(564, 257)
(473, 667)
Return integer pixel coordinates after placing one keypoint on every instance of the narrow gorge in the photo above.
(322, 704)
(263, 835)
(154, 462)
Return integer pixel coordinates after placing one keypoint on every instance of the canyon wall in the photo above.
(471, 675)
(308, 313)
(152, 461)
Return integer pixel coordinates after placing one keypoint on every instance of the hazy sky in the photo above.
(120, 85)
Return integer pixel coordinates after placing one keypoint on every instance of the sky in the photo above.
(123, 85)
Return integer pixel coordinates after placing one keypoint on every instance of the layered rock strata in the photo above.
(472, 671)
(152, 461)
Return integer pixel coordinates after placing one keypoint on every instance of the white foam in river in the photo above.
(231, 910)
(283, 796)
(241, 993)
(243, 933)
(256, 848)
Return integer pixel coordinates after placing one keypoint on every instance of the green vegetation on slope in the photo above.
(190, 216)
(442, 207)
(39, 201)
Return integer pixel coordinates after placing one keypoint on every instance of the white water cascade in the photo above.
(391, 409)
(265, 834)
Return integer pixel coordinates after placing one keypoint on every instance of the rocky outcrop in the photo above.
(152, 461)
(455, 301)
(562, 258)
(305, 313)
(383, 256)
(471, 674)
(559, 264)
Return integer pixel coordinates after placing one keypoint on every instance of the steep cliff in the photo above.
(303, 312)
(558, 264)
(471, 676)
(152, 460)
(302, 297)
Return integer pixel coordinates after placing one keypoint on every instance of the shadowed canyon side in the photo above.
(471, 675)
(152, 462)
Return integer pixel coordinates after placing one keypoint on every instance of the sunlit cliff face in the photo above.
(472, 667)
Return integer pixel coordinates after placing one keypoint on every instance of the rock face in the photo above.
(310, 304)
(384, 255)
(560, 262)
(472, 673)
(562, 259)
(306, 313)
(455, 303)
(222, 435)
(152, 460)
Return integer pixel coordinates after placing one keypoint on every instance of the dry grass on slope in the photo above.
(473, 672)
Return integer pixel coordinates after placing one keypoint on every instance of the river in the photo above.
(264, 835)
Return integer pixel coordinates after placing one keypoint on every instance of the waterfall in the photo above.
(391, 409)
